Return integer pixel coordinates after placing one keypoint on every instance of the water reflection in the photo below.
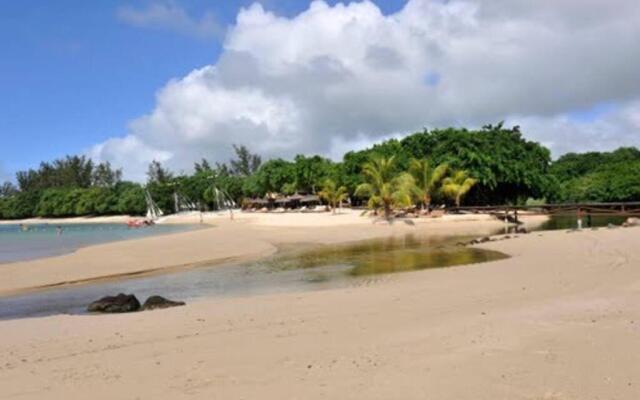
(297, 268)
(381, 256)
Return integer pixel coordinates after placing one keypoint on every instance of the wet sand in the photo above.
(558, 320)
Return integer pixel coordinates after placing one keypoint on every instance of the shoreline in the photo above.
(70, 220)
(224, 243)
(564, 304)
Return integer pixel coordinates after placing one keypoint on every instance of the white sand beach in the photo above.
(557, 320)
(247, 236)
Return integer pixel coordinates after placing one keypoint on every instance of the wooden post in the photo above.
(515, 214)
(506, 221)
(579, 218)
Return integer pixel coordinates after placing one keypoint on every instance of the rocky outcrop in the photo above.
(480, 240)
(158, 302)
(121, 303)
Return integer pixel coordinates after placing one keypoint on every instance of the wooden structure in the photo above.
(580, 210)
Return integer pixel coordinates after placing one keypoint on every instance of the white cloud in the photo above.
(347, 75)
(170, 16)
(563, 134)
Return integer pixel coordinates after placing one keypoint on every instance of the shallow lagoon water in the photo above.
(28, 242)
(294, 269)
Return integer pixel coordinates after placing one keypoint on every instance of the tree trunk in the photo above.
(387, 211)
(427, 204)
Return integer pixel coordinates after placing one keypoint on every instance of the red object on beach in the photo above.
(136, 223)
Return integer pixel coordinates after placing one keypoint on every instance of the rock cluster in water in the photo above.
(487, 239)
(124, 303)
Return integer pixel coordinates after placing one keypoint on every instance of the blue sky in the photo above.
(73, 74)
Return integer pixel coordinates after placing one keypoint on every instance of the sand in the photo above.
(248, 236)
(558, 320)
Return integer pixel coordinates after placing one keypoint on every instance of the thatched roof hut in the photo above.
(295, 197)
(312, 198)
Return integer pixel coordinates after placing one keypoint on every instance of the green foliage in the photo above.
(158, 174)
(508, 168)
(598, 177)
(333, 194)
(130, 199)
(105, 176)
(427, 179)
(271, 177)
(500, 167)
(8, 189)
(21, 205)
(384, 188)
(245, 163)
(310, 172)
(457, 186)
(70, 172)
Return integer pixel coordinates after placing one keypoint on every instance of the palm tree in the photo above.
(427, 179)
(385, 189)
(457, 186)
(332, 194)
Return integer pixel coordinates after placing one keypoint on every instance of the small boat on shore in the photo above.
(139, 223)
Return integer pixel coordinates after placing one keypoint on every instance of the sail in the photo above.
(222, 200)
(182, 203)
(153, 211)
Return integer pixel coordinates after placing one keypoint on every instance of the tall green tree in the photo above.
(103, 175)
(457, 186)
(310, 172)
(598, 176)
(156, 173)
(383, 187)
(333, 194)
(427, 179)
(245, 163)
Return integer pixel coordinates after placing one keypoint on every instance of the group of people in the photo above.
(26, 228)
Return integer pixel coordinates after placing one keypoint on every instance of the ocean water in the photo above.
(45, 240)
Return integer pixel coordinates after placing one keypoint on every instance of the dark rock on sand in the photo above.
(115, 304)
(158, 302)
(480, 240)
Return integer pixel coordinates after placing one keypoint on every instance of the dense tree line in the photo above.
(598, 176)
(70, 187)
(502, 166)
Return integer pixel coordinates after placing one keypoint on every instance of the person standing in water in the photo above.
(59, 230)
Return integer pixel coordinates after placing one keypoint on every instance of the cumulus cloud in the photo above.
(619, 126)
(172, 17)
(337, 76)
